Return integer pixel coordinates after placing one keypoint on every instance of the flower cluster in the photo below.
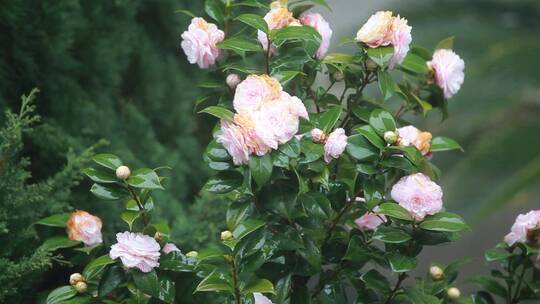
(410, 135)
(266, 117)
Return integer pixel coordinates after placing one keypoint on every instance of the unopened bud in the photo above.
(192, 254)
(157, 236)
(371, 65)
(76, 278)
(436, 273)
(226, 235)
(80, 287)
(233, 80)
(390, 137)
(339, 76)
(453, 293)
(123, 172)
(318, 135)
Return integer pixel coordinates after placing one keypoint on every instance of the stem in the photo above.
(400, 111)
(237, 297)
(400, 280)
(359, 91)
(335, 222)
(268, 48)
(141, 207)
(517, 294)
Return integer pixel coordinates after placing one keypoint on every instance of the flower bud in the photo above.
(192, 254)
(76, 278)
(371, 65)
(339, 76)
(80, 287)
(226, 235)
(453, 293)
(123, 172)
(436, 273)
(157, 236)
(233, 80)
(390, 137)
(318, 135)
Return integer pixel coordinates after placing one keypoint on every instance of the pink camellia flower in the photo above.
(84, 227)
(401, 39)
(370, 221)
(335, 145)
(233, 80)
(448, 70)
(261, 299)
(323, 28)
(277, 18)
(377, 31)
(522, 226)
(418, 195)
(259, 135)
(318, 135)
(200, 42)
(169, 247)
(136, 250)
(255, 90)
(232, 139)
(410, 135)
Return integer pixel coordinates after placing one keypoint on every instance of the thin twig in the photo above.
(400, 280)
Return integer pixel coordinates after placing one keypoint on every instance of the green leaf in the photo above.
(359, 148)
(490, 284)
(420, 297)
(130, 217)
(444, 221)
(214, 282)
(146, 282)
(414, 63)
(306, 34)
(374, 280)
(219, 112)
(259, 285)
(145, 179)
(387, 85)
(56, 220)
(185, 12)
(261, 168)
(399, 162)
(215, 9)
(382, 121)
(100, 176)
(292, 148)
(246, 227)
(109, 192)
(496, 254)
(441, 143)
(96, 266)
(57, 242)
(329, 118)
(108, 161)
(176, 261)
(61, 294)
(224, 182)
(369, 133)
(340, 58)
(240, 44)
(401, 263)
(311, 150)
(394, 210)
(111, 279)
(236, 213)
(254, 21)
(380, 55)
(447, 43)
(391, 235)
(285, 76)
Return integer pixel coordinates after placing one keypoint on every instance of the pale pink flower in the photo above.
(522, 226)
(318, 135)
(84, 227)
(233, 141)
(261, 299)
(136, 250)
(323, 28)
(279, 119)
(200, 42)
(418, 195)
(169, 247)
(377, 31)
(448, 69)
(233, 80)
(410, 135)
(277, 18)
(401, 39)
(254, 90)
(370, 221)
(259, 134)
(335, 144)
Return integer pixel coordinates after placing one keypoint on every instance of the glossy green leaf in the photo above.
(359, 148)
(130, 217)
(401, 263)
(370, 134)
(176, 261)
(285, 77)
(259, 285)
(109, 192)
(380, 55)
(146, 282)
(496, 254)
(394, 210)
(444, 221)
(56, 220)
(246, 227)
(374, 280)
(108, 161)
(60, 295)
(329, 118)
(145, 179)
(306, 34)
(254, 21)
(420, 297)
(447, 43)
(391, 235)
(312, 151)
(382, 121)
(215, 9)
(57, 242)
(96, 266)
(112, 278)
(261, 168)
(441, 143)
(223, 182)
(100, 176)
(387, 85)
(490, 284)
(399, 162)
(340, 58)
(414, 63)
(219, 112)
(292, 148)
(214, 282)
(240, 44)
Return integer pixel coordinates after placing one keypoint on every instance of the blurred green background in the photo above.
(114, 70)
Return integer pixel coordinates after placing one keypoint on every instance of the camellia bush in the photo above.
(332, 193)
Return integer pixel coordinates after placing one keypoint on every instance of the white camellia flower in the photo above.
(136, 250)
(449, 71)
(418, 195)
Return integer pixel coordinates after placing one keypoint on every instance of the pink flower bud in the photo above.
(370, 221)
(123, 172)
(335, 144)
(318, 135)
(170, 247)
(233, 80)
